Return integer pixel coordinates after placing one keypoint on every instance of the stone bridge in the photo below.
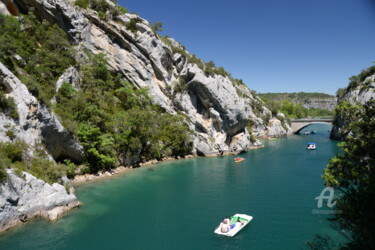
(298, 124)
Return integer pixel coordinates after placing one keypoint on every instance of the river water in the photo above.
(177, 205)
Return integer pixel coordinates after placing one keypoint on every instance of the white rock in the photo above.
(35, 123)
(22, 199)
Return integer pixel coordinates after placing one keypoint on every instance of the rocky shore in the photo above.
(84, 178)
(25, 197)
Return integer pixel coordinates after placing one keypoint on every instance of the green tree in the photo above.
(353, 173)
(158, 26)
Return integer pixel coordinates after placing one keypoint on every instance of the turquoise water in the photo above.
(178, 204)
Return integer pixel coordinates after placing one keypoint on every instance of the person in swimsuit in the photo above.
(224, 228)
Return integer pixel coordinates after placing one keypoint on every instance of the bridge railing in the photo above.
(322, 118)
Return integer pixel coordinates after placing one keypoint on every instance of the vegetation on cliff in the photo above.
(7, 105)
(353, 173)
(114, 122)
(36, 52)
(356, 81)
(104, 9)
(16, 155)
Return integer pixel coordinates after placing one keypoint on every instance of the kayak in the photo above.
(239, 159)
(234, 226)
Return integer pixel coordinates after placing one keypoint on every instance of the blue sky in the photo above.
(273, 45)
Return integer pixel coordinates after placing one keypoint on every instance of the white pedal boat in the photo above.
(234, 226)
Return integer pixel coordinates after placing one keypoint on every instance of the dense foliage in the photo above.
(37, 52)
(117, 123)
(353, 173)
(16, 155)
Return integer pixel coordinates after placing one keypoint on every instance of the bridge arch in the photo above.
(298, 125)
(299, 130)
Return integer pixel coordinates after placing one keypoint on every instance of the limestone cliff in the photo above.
(218, 107)
(309, 100)
(223, 113)
(35, 123)
(360, 90)
(328, 103)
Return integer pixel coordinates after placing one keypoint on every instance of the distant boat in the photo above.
(237, 223)
(239, 159)
(313, 132)
(311, 146)
(306, 133)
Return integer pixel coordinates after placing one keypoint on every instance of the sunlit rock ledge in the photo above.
(25, 197)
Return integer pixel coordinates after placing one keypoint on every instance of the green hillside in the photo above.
(301, 104)
(299, 97)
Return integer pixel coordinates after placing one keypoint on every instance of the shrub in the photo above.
(82, 3)
(195, 60)
(132, 25)
(99, 5)
(250, 124)
(13, 151)
(13, 155)
(70, 168)
(3, 173)
(252, 138)
(117, 11)
(179, 85)
(11, 133)
(158, 26)
(45, 169)
(8, 106)
(102, 15)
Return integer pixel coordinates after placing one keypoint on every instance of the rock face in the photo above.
(26, 197)
(362, 93)
(223, 113)
(217, 107)
(3, 8)
(321, 103)
(308, 100)
(35, 123)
